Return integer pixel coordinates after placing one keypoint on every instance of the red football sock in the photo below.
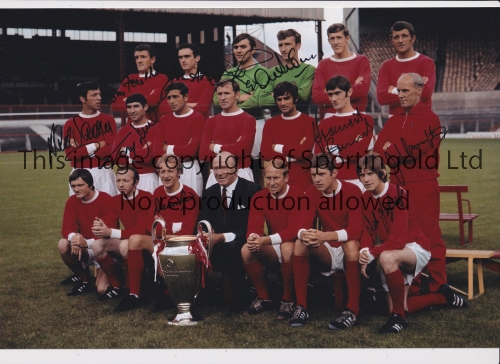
(301, 272)
(76, 266)
(396, 284)
(109, 268)
(255, 271)
(135, 268)
(287, 275)
(353, 278)
(414, 287)
(417, 303)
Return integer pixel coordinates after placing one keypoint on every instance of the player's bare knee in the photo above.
(387, 261)
(134, 242)
(351, 250)
(300, 248)
(99, 248)
(64, 247)
(101, 287)
(124, 248)
(101, 281)
(247, 255)
(287, 251)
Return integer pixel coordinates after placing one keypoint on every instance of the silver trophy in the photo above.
(183, 261)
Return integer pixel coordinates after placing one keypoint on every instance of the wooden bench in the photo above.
(492, 263)
(461, 217)
(453, 255)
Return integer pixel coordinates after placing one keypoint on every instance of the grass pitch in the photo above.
(37, 314)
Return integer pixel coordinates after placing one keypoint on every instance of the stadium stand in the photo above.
(471, 65)
(468, 64)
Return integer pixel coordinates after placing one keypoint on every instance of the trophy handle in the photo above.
(158, 247)
(153, 229)
(210, 232)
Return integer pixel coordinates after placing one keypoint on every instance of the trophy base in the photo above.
(184, 319)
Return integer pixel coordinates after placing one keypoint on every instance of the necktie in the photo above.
(224, 201)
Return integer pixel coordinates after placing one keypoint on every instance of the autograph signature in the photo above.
(130, 83)
(82, 133)
(261, 77)
(326, 138)
(411, 155)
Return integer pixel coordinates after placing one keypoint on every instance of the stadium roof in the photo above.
(271, 14)
(176, 20)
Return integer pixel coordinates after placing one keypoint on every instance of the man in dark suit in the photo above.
(226, 206)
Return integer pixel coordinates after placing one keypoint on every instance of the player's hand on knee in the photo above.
(364, 257)
(100, 229)
(76, 250)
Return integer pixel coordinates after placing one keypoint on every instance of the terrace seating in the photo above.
(470, 64)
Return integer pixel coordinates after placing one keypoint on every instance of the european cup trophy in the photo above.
(183, 261)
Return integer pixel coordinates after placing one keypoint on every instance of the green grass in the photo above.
(35, 312)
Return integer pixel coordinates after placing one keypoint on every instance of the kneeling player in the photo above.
(76, 246)
(404, 252)
(278, 207)
(133, 208)
(337, 205)
(177, 205)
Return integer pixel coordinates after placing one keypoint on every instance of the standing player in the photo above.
(404, 249)
(88, 138)
(134, 143)
(174, 203)
(289, 136)
(232, 131)
(201, 88)
(407, 60)
(278, 206)
(179, 133)
(337, 205)
(347, 134)
(147, 82)
(76, 245)
(133, 208)
(355, 67)
(409, 143)
(226, 205)
(294, 71)
(251, 78)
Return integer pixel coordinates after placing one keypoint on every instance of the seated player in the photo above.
(233, 131)
(289, 136)
(174, 203)
(336, 203)
(278, 206)
(134, 143)
(179, 133)
(91, 150)
(226, 206)
(134, 208)
(404, 249)
(146, 82)
(348, 134)
(76, 245)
